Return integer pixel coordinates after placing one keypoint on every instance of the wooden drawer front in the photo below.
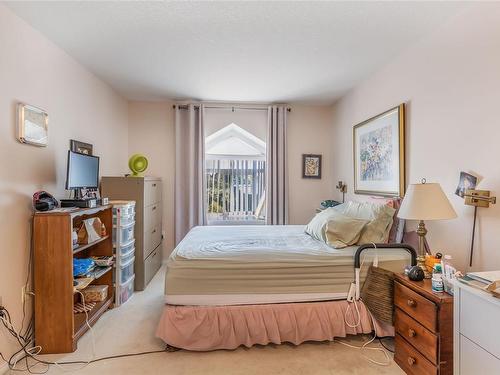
(152, 216)
(416, 334)
(479, 321)
(152, 192)
(417, 306)
(152, 239)
(152, 264)
(410, 360)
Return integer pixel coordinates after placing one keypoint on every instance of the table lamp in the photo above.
(425, 202)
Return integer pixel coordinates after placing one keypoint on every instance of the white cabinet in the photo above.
(476, 331)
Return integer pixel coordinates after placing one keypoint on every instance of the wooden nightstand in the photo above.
(424, 328)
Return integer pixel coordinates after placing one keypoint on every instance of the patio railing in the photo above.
(235, 190)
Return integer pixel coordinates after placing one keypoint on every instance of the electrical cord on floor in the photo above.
(357, 324)
(29, 352)
(380, 339)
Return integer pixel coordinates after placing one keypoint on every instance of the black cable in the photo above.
(24, 343)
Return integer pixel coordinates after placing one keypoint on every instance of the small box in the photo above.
(95, 293)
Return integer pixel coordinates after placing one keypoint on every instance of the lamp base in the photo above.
(422, 231)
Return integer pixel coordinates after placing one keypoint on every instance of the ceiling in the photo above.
(234, 51)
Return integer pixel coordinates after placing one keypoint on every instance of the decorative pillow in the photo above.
(342, 231)
(380, 218)
(316, 227)
(398, 225)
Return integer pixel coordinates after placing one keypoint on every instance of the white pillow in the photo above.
(316, 227)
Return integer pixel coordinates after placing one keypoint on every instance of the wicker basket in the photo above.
(378, 293)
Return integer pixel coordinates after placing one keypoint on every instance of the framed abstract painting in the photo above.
(379, 154)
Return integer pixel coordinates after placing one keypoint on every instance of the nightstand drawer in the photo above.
(415, 305)
(416, 334)
(410, 360)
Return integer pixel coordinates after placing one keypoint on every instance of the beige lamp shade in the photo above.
(426, 202)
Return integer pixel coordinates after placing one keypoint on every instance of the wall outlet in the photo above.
(1, 301)
(23, 293)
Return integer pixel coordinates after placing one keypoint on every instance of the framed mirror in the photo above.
(32, 125)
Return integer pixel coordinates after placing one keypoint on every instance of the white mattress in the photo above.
(231, 265)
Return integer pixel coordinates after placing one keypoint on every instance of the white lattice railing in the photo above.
(235, 189)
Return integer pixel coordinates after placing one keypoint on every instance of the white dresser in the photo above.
(476, 332)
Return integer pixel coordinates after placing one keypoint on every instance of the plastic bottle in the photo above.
(446, 261)
(448, 273)
(437, 279)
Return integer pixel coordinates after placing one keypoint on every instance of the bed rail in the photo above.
(404, 246)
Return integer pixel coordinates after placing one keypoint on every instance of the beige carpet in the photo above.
(131, 327)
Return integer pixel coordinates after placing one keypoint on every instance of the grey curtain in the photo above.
(277, 171)
(189, 169)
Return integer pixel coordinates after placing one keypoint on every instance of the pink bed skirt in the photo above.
(203, 328)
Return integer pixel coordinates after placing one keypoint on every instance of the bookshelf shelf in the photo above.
(79, 248)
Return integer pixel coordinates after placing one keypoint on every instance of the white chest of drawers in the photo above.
(476, 332)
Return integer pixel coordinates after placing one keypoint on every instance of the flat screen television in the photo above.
(83, 171)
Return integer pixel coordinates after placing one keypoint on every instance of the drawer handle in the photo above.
(411, 333)
(411, 361)
(154, 185)
(411, 303)
(154, 208)
(154, 231)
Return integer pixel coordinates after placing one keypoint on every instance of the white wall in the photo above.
(80, 106)
(152, 133)
(451, 84)
(309, 132)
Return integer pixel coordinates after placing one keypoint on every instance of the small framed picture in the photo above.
(81, 147)
(311, 166)
(32, 125)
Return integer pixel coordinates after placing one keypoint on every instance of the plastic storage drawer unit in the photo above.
(124, 220)
(126, 290)
(127, 270)
(126, 234)
(123, 208)
(126, 249)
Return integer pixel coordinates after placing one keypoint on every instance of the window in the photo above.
(235, 176)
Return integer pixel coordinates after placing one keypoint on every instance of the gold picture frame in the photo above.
(380, 168)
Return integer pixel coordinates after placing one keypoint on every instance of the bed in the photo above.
(228, 286)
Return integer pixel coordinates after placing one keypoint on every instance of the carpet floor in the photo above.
(131, 328)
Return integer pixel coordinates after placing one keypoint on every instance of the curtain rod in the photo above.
(196, 106)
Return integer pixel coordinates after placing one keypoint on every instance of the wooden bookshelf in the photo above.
(57, 328)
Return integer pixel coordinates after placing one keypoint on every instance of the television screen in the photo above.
(83, 171)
